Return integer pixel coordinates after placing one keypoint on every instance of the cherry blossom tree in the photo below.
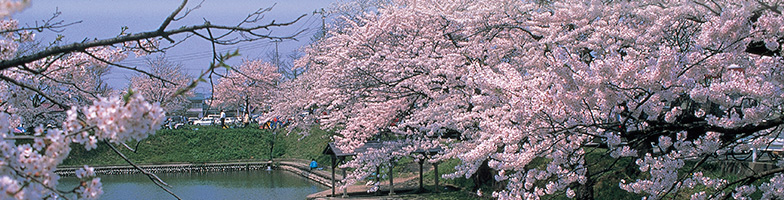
(250, 85)
(80, 86)
(166, 79)
(672, 85)
(61, 85)
(353, 10)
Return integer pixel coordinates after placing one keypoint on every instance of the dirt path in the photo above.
(358, 192)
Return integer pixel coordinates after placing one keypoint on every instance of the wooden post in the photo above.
(421, 175)
(345, 188)
(333, 175)
(435, 169)
(378, 180)
(391, 181)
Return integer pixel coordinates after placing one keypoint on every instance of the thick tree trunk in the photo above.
(585, 191)
(483, 176)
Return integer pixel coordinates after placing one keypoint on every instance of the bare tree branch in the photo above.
(48, 24)
(128, 67)
(152, 176)
(75, 47)
(12, 81)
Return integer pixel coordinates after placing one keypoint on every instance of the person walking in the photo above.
(223, 119)
(245, 120)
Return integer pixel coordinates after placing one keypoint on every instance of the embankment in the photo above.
(297, 167)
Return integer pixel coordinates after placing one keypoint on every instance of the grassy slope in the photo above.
(206, 144)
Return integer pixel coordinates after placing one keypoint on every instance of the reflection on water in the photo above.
(212, 185)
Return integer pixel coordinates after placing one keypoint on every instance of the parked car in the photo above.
(215, 119)
(206, 121)
(192, 119)
(230, 120)
(174, 122)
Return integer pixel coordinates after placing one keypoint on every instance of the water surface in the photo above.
(210, 185)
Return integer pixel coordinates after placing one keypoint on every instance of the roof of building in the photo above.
(332, 149)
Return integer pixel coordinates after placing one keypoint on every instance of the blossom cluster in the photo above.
(117, 120)
(773, 189)
(28, 168)
(169, 78)
(249, 86)
(8, 7)
(90, 186)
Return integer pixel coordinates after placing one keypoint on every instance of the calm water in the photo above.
(212, 185)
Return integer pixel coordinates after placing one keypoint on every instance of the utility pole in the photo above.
(323, 14)
(323, 22)
(276, 57)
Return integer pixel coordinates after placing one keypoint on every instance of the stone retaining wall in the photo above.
(300, 169)
(172, 168)
(319, 176)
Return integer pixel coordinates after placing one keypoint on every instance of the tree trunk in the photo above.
(585, 191)
(483, 176)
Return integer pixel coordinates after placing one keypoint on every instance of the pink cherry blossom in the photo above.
(517, 81)
(248, 86)
(167, 78)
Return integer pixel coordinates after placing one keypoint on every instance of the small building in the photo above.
(198, 105)
(339, 156)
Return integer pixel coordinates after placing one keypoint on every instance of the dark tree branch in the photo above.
(169, 19)
(75, 47)
(39, 92)
(707, 7)
(33, 179)
(128, 67)
(771, 8)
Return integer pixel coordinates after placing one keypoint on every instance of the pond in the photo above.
(273, 184)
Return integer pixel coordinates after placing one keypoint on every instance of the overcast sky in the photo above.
(105, 19)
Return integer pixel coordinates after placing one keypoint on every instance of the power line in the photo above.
(262, 45)
(206, 53)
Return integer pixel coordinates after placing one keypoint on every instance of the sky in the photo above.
(101, 19)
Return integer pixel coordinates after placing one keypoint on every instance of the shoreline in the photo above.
(300, 168)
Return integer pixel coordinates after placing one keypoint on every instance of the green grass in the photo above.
(306, 147)
(198, 144)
